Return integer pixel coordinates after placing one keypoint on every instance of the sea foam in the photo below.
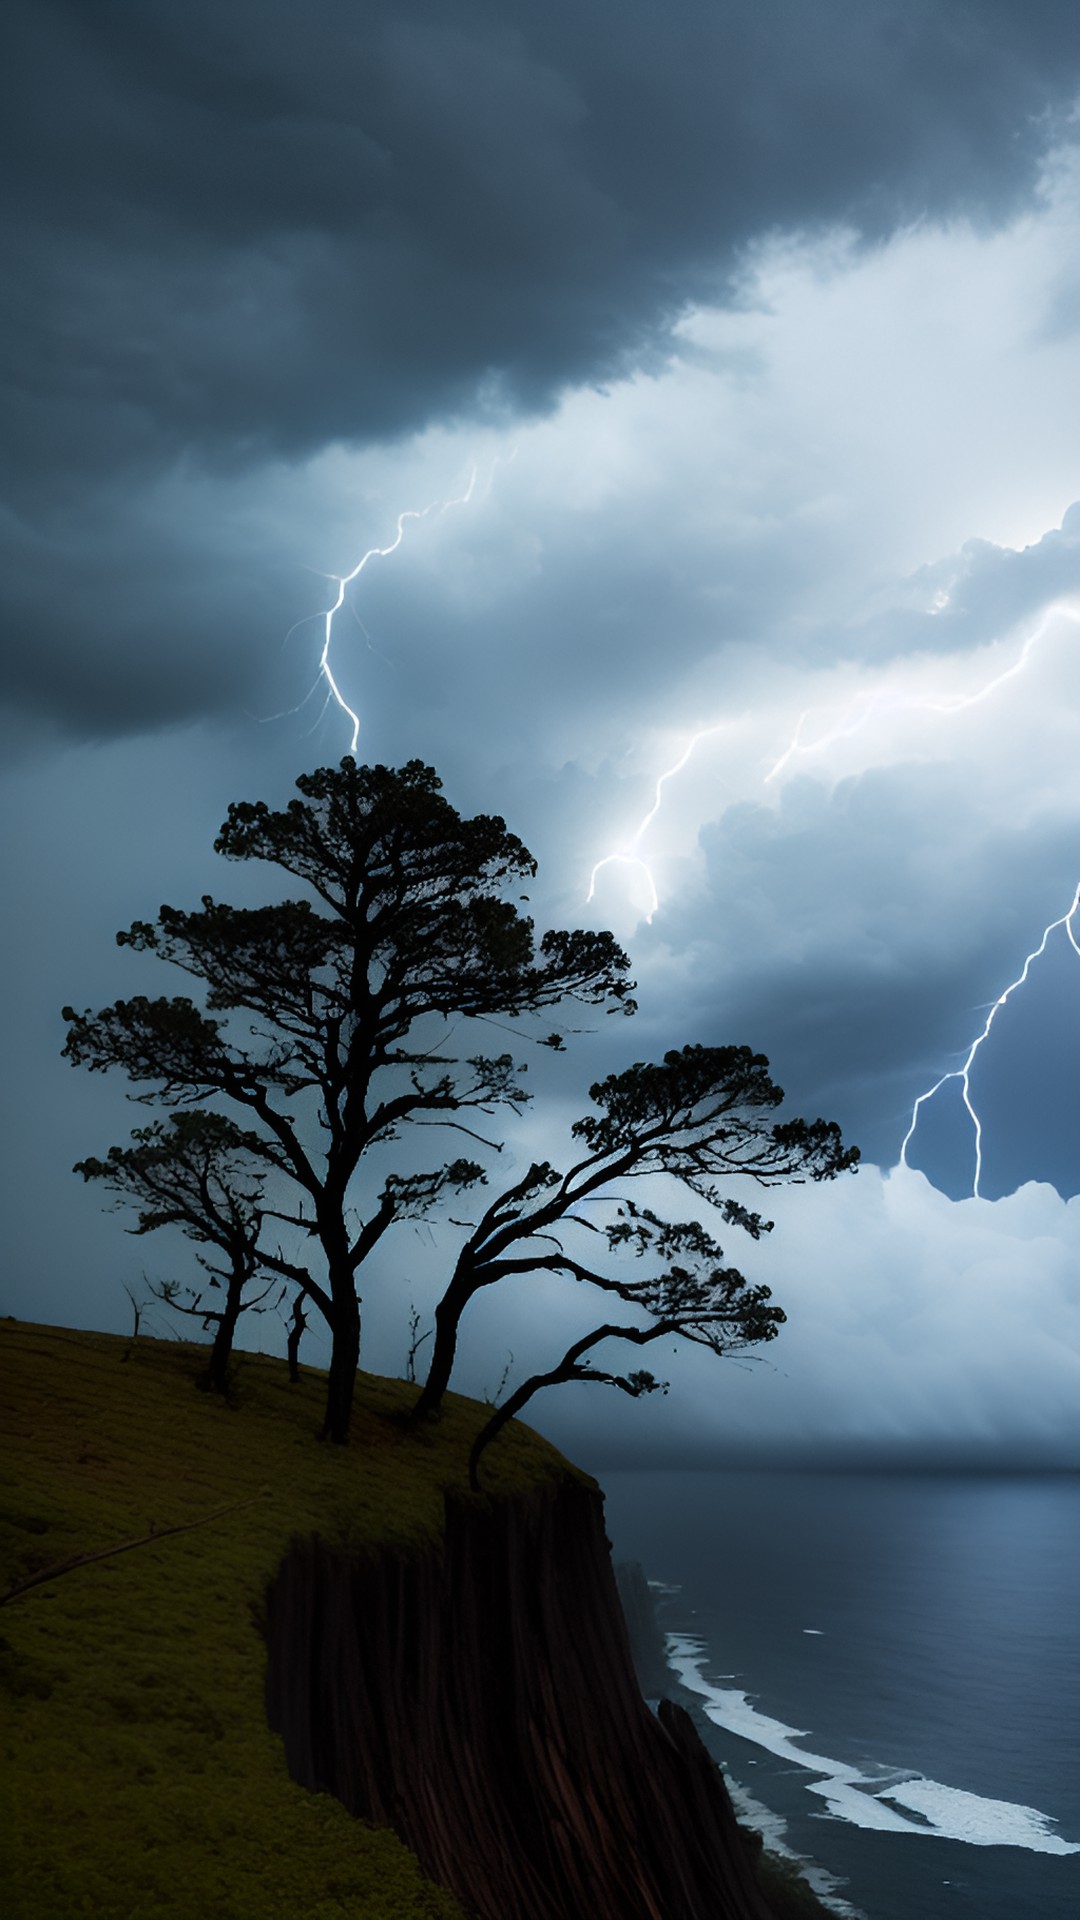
(947, 1812)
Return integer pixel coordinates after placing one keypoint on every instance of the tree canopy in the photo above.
(202, 1173)
(336, 1025)
(704, 1117)
(329, 1023)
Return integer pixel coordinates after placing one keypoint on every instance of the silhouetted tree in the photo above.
(202, 1174)
(350, 999)
(710, 1306)
(702, 1115)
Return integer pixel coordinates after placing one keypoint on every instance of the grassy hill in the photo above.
(138, 1777)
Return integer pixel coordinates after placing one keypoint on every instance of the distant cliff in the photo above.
(480, 1699)
(647, 1649)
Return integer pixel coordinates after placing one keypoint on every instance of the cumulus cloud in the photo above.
(917, 1327)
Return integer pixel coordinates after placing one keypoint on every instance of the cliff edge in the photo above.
(454, 1670)
(482, 1701)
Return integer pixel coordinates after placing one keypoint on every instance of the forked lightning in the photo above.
(963, 1073)
(344, 580)
(855, 717)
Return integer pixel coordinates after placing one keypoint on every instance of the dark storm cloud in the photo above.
(114, 626)
(263, 226)
(239, 234)
(858, 937)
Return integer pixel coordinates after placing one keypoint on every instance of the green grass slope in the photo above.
(138, 1777)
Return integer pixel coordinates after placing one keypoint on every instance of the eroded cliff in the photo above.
(481, 1700)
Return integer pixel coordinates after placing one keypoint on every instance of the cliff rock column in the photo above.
(481, 1700)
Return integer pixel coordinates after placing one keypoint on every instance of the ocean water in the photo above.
(888, 1666)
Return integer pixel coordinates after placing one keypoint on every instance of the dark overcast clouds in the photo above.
(256, 227)
(760, 327)
(239, 234)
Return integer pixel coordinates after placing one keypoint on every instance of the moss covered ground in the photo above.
(138, 1777)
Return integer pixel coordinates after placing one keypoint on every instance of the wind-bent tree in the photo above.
(202, 1173)
(709, 1305)
(701, 1116)
(329, 1021)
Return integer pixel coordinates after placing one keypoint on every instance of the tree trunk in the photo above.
(296, 1330)
(447, 1320)
(216, 1376)
(501, 1418)
(344, 1361)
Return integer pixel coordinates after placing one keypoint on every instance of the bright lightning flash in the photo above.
(963, 1073)
(855, 717)
(344, 581)
(884, 700)
(629, 856)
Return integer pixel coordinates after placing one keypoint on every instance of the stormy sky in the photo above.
(729, 358)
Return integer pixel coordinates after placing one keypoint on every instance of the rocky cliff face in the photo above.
(647, 1649)
(482, 1702)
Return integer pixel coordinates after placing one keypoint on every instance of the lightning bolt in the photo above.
(629, 855)
(343, 581)
(854, 718)
(859, 714)
(885, 699)
(963, 1073)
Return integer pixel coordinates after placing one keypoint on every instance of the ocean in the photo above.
(888, 1667)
